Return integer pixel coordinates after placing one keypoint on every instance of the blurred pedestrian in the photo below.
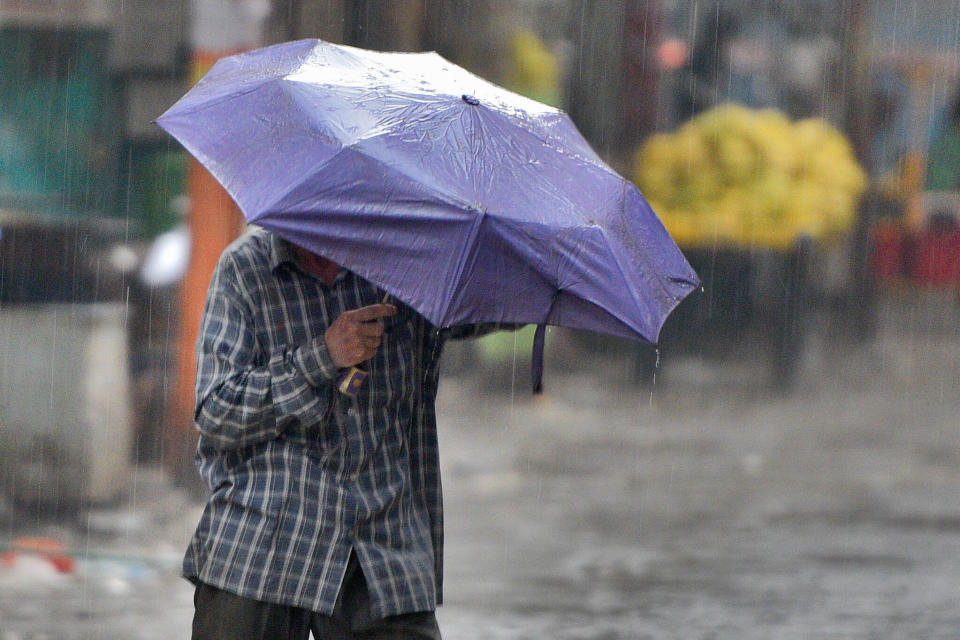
(936, 261)
(325, 514)
(889, 245)
(943, 161)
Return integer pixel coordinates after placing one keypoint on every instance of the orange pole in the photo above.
(214, 221)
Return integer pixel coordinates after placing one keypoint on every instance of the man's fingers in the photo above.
(362, 354)
(370, 329)
(356, 335)
(369, 342)
(373, 312)
(365, 344)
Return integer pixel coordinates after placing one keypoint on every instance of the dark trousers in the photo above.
(220, 615)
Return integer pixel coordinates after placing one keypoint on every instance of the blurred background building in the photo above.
(100, 210)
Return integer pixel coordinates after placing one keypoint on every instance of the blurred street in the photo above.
(700, 507)
(788, 469)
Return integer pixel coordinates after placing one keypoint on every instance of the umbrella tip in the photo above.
(471, 100)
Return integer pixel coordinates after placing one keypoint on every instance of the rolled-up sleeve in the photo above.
(244, 395)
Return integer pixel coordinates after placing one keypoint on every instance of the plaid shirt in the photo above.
(301, 474)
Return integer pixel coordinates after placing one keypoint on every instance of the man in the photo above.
(325, 513)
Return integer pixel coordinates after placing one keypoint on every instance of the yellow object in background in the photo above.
(533, 70)
(743, 177)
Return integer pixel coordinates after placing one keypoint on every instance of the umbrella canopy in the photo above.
(465, 201)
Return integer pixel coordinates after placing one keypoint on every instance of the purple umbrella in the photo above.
(465, 201)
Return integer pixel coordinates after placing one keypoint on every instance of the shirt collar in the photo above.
(280, 252)
(283, 252)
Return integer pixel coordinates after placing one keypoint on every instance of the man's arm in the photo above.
(245, 396)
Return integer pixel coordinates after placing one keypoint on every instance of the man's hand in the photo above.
(354, 337)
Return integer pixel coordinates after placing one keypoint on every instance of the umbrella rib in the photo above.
(657, 282)
(623, 274)
(553, 143)
(465, 253)
(207, 104)
(466, 247)
(633, 296)
(442, 195)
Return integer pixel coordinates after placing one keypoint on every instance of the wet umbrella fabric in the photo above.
(465, 201)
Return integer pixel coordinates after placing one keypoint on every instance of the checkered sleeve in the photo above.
(314, 361)
(243, 395)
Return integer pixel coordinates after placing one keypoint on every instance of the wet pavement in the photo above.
(701, 507)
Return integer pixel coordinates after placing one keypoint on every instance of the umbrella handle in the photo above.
(536, 359)
(350, 381)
